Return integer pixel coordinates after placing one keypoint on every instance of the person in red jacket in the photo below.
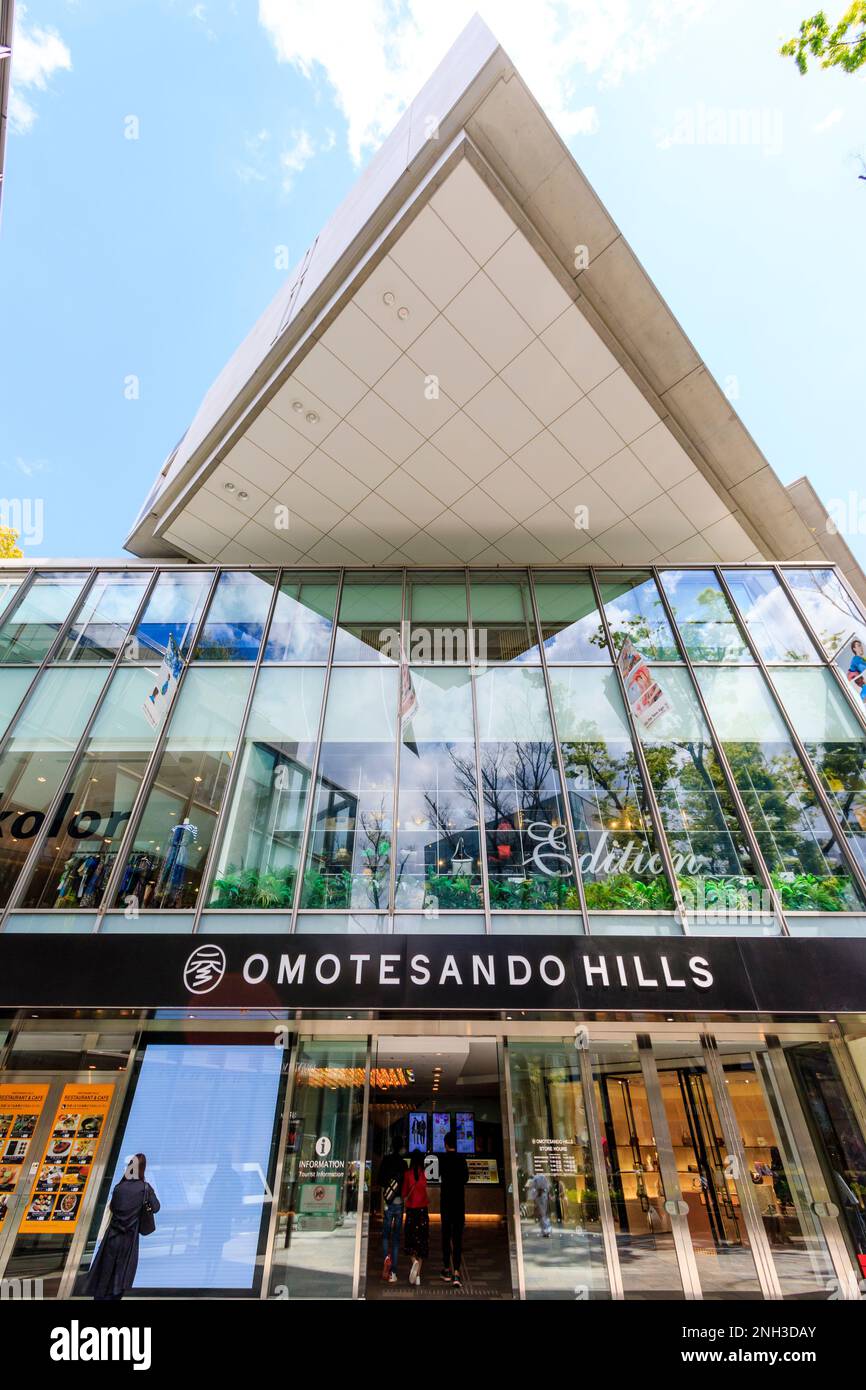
(416, 1233)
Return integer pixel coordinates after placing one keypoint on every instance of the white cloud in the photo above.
(832, 118)
(36, 55)
(379, 54)
(295, 158)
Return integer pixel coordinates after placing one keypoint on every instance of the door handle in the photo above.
(825, 1209)
(677, 1207)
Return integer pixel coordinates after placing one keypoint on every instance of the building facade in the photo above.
(474, 745)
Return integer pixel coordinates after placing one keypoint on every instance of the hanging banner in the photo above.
(646, 699)
(67, 1163)
(20, 1109)
(158, 702)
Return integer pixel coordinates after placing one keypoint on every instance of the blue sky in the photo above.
(151, 257)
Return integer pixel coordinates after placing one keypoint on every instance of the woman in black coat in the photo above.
(113, 1270)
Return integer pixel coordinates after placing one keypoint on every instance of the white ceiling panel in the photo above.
(269, 545)
(523, 548)
(625, 479)
(468, 447)
(524, 279)
(444, 352)
(357, 341)
(244, 497)
(554, 526)
(358, 455)
(729, 540)
(623, 406)
(512, 489)
(456, 533)
(433, 258)
(272, 434)
(330, 379)
(472, 213)
(541, 383)
(587, 435)
(410, 497)
(579, 349)
(303, 501)
(664, 457)
(384, 520)
(438, 474)
(327, 476)
(663, 523)
(423, 403)
(424, 549)
(380, 423)
(484, 515)
(502, 415)
(602, 510)
(488, 322)
(385, 297)
(304, 411)
(550, 464)
(700, 502)
(363, 542)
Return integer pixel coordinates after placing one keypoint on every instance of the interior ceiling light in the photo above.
(402, 312)
(229, 487)
(297, 406)
(388, 298)
(243, 496)
(312, 417)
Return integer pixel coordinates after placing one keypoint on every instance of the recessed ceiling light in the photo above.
(243, 496)
(388, 298)
(229, 487)
(402, 312)
(297, 406)
(312, 417)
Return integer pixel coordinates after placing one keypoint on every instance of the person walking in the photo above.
(133, 1205)
(417, 1231)
(391, 1175)
(538, 1189)
(453, 1177)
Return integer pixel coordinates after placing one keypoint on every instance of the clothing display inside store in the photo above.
(83, 879)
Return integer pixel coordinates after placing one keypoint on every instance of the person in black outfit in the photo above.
(113, 1270)
(453, 1177)
(391, 1175)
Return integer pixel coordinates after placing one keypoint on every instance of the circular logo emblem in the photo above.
(204, 969)
(323, 1146)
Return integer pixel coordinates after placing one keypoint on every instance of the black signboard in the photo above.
(436, 973)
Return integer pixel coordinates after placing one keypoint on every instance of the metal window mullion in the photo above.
(26, 871)
(759, 1245)
(511, 1159)
(292, 1053)
(602, 1186)
(640, 755)
(727, 770)
(224, 809)
(23, 588)
(812, 777)
(362, 1210)
(680, 1230)
(149, 775)
(827, 662)
(560, 763)
(479, 793)
(312, 795)
(395, 799)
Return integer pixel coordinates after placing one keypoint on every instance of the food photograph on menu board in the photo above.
(465, 1126)
(55, 1199)
(419, 1130)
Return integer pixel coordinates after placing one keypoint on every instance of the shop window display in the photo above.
(798, 844)
(36, 760)
(258, 862)
(529, 862)
(438, 850)
(619, 859)
(351, 832)
(175, 830)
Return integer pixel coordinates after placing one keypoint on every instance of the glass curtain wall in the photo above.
(436, 764)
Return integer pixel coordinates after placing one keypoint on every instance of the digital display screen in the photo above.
(419, 1130)
(441, 1126)
(464, 1123)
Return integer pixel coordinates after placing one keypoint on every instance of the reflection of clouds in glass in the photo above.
(574, 643)
(298, 633)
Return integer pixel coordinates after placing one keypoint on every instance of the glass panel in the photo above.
(792, 830)
(258, 862)
(349, 860)
(766, 610)
(14, 684)
(9, 585)
(835, 742)
(502, 619)
(77, 857)
(317, 1210)
(236, 618)
(371, 609)
(828, 606)
(203, 1116)
(837, 1136)
(710, 852)
(634, 610)
(36, 759)
(174, 833)
(103, 619)
(707, 626)
(303, 618)
(39, 615)
(173, 610)
(528, 859)
(570, 626)
(779, 1187)
(436, 608)
(644, 1240)
(438, 850)
(560, 1222)
(619, 859)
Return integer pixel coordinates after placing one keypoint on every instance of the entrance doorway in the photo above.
(423, 1090)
